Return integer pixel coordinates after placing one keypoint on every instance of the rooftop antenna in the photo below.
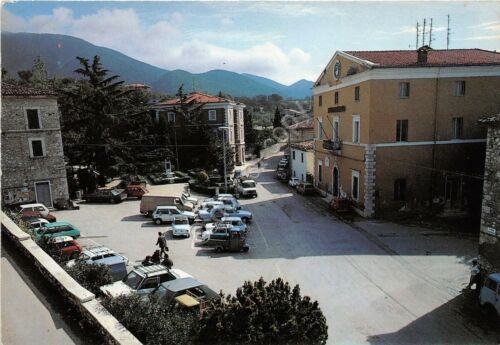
(448, 34)
(423, 34)
(430, 34)
(417, 35)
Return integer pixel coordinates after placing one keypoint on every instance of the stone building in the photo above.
(33, 168)
(489, 239)
(397, 130)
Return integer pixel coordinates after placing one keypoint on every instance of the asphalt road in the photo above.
(376, 282)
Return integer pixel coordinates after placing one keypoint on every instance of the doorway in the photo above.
(43, 194)
(335, 182)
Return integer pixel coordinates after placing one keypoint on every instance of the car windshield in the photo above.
(133, 280)
(248, 184)
(181, 221)
(115, 192)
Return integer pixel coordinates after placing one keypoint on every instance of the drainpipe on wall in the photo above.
(434, 139)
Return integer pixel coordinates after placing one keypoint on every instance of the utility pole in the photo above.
(224, 153)
(430, 35)
(416, 46)
(423, 34)
(448, 34)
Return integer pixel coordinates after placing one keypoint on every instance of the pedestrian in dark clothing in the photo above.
(162, 242)
(147, 261)
(156, 258)
(475, 275)
(167, 262)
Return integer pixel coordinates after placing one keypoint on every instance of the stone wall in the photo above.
(19, 170)
(489, 240)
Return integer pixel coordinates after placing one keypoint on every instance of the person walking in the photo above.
(162, 243)
(475, 275)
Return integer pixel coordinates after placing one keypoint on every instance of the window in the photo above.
(294, 173)
(355, 185)
(171, 117)
(336, 127)
(460, 88)
(400, 189)
(356, 93)
(149, 283)
(293, 155)
(320, 171)
(355, 129)
(458, 127)
(320, 128)
(37, 148)
(402, 130)
(33, 119)
(212, 115)
(320, 100)
(302, 157)
(404, 90)
(336, 98)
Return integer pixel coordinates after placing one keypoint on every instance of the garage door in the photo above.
(43, 195)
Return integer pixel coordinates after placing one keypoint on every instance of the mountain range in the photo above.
(59, 53)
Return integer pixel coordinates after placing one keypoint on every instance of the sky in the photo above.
(284, 41)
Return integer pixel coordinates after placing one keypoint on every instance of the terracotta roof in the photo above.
(303, 145)
(307, 124)
(490, 120)
(18, 90)
(196, 97)
(138, 86)
(435, 58)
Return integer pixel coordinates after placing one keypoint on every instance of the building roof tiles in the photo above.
(19, 90)
(435, 58)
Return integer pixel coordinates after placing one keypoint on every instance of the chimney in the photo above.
(422, 54)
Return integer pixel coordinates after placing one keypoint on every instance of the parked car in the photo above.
(44, 211)
(293, 182)
(168, 213)
(66, 246)
(105, 195)
(57, 229)
(181, 227)
(135, 191)
(224, 237)
(143, 280)
(28, 214)
(210, 203)
(490, 293)
(235, 223)
(186, 197)
(226, 199)
(36, 223)
(245, 188)
(305, 188)
(100, 255)
(186, 292)
(150, 202)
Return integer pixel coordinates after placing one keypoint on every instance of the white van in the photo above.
(490, 292)
(44, 211)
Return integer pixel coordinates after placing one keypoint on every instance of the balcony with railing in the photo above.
(335, 146)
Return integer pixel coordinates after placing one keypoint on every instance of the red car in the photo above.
(30, 214)
(66, 246)
(135, 191)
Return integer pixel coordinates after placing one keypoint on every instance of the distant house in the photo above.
(302, 160)
(489, 240)
(301, 131)
(33, 168)
(216, 111)
(137, 87)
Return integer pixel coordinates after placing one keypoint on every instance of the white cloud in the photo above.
(164, 45)
(482, 38)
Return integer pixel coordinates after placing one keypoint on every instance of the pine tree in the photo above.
(277, 118)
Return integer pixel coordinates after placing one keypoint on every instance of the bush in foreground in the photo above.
(152, 322)
(263, 313)
(90, 276)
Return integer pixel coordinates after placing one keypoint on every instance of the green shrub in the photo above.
(152, 322)
(90, 276)
(263, 313)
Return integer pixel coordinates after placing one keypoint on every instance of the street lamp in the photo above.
(223, 129)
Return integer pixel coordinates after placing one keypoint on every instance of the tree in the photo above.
(277, 118)
(264, 314)
(90, 276)
(25, 76)
(152, 322)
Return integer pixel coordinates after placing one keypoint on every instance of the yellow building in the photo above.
(398, 129)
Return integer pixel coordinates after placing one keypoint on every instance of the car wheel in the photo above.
(74, 255)
(246, 248)
(111, 201)
(245, 220)
(218, 249)
(158, 221)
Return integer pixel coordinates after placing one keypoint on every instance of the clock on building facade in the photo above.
(336, 70)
